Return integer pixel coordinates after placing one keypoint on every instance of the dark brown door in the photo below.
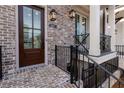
(31, 35)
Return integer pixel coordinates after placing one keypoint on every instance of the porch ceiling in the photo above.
(83, 9)
(120, 13)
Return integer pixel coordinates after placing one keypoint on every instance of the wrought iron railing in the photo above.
(0, 63)
(87, 73)
(105, 43)
(81, 41)
(62, 57)
(83, 70)
(120, 50)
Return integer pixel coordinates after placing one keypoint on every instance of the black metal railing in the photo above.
(81, 41)
(105, 43)
(87, 73)
(120, 50)
(62, 57)
(0, 63)
(83, 70)
(97, 78)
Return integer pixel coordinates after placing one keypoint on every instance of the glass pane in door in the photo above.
(32, 28)
(37, 19)
(78, 24)
(27, 17)
(27, 38)
(37, 38)
(81, 27)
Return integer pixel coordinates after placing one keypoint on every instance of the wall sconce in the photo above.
(52, 15)
(72, 13)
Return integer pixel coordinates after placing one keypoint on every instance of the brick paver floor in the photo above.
(116, 85)
(44, 77)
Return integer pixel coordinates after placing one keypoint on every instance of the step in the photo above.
(116, 85)
(69, 85)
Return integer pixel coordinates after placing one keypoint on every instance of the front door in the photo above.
(31, 35)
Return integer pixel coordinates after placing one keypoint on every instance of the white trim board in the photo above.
(100, 59)
(104, 58)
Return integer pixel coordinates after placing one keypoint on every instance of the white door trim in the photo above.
(17, 41)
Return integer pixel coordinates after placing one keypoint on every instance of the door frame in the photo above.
(45, 41)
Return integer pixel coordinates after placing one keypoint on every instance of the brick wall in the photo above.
(7, 38)
(62, 30)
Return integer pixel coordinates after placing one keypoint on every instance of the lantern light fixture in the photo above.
(52, 15)
(72, 13)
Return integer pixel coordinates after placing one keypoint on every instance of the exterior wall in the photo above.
(59, 32)
(62, 30)
(62, 34)
(7, 39)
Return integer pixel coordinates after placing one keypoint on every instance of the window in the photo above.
(32, 27)
(80, 25)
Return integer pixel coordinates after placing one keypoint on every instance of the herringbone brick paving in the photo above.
(44, 77)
